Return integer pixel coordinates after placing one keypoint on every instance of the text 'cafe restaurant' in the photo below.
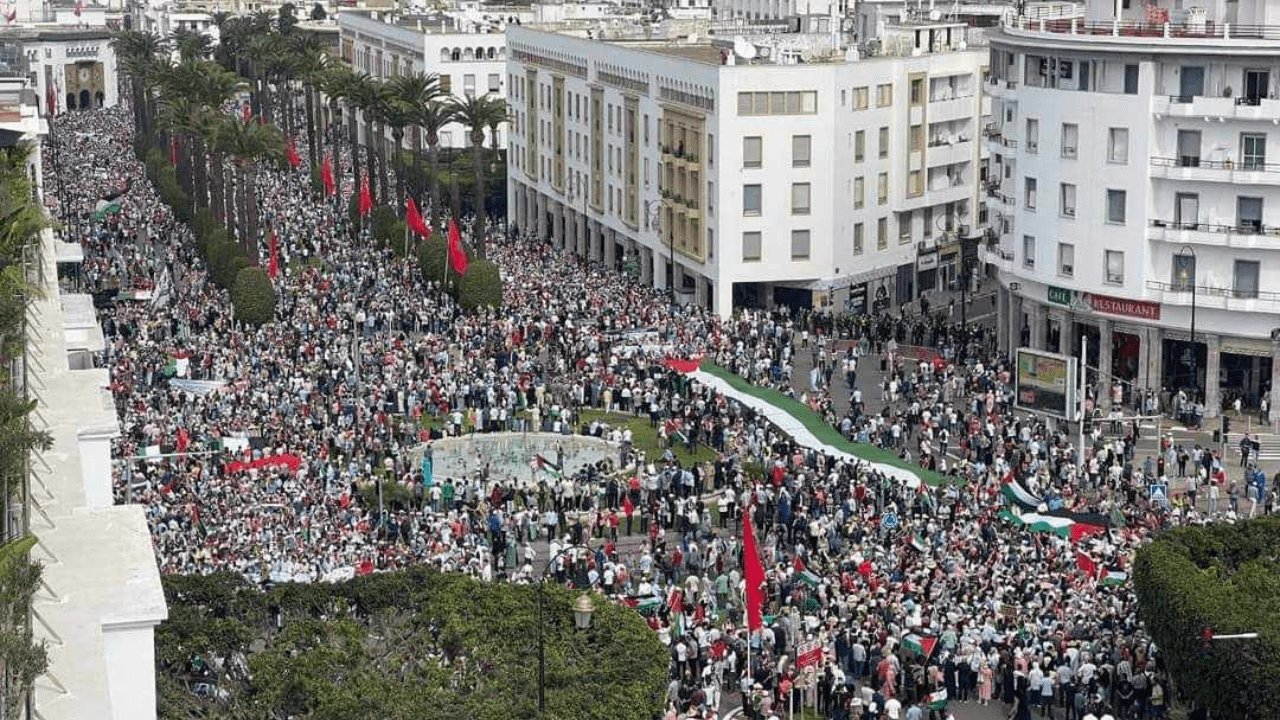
(1146, 344)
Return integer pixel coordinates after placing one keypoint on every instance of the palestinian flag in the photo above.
(808, 578)
(675, 600)
(103, 208)
(171, 368)
(1058, 525)
(917, 542)
(920, 644)
(937, 700)
(645, 605)
(1114, 576)
(1017, 495)
(545, 465)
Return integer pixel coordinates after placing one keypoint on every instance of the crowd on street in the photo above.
(955, 602)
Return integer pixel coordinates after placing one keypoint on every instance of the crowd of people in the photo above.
(950, 604)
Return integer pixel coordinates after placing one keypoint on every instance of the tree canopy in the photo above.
(1225, 578)
(413, 644)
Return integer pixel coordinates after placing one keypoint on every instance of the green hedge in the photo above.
(254, 297)
(1225, 577)
(408, 644)
(481, 287)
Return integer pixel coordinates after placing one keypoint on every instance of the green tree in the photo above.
(477, 113)
(253, 296)
(481, 287)
(409, 93)
(432, 116)
(137, 53)
(249, 144)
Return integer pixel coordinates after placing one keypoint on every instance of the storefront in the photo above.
(927, 270)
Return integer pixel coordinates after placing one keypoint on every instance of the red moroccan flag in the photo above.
(184, 440)
(753, 573)
(13, 15)
(457, 256)
(413, 219)
(273, 264)
(366, 197)
(292, 152)
(244, 112)
(173, 150)
(326, 175)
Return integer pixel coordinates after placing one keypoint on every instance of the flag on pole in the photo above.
(917, 542)
(753, 573)
(273, 263)
(366, 197)
(920, 644)
(1086, 564)
(808, 578)
(292, 151)
(457, 255)
(413, 219)
(11, 16)
(1114, 576)
(173, 149)
(326, 175)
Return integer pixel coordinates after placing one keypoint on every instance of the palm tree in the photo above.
(249, 143)
(477, 113)
(338, 83)
(137, 53)
(371, 96)
(409, 93)
(432, 116)
(190, 44)
(310, 65)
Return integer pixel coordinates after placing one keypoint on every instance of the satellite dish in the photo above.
(744, 49)
(764, 51)
(935, 15)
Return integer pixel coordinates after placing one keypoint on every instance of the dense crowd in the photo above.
(367, 362)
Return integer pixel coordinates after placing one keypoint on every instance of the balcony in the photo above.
(1209, 296)
(949, 152)
(1239, 108)
(1244, 236)
(1250, 171)
(995, 255)
(1204, 33)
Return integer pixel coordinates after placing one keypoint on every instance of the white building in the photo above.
(1134, 193)
(832, 182)
(76, 67)
(100, 599)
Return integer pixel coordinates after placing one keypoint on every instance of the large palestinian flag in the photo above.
(1058, 525)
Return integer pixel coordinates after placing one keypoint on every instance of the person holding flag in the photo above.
(326, 176)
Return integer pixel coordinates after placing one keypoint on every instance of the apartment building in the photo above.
(1134, 198)
(734, 175)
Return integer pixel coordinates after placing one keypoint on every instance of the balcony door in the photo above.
(1256, 85)
(1191, 81)
(1189, 148)
(1186, 210)
(1249, 214)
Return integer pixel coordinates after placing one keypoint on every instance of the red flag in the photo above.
(753, 573)
(292, 152)
(173, 150)
(627, 506)
(184, 440)
(457, 256)
(13, 15)
(1086, 563)
(273, 264)
(244, 112)
(326, 175)
(79, 7)
(366, 197)
(413, 219)
(799, 564)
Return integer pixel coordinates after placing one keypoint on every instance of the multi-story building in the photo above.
(1134, 196)
(467, 61)
(735, 180)
(75, 68)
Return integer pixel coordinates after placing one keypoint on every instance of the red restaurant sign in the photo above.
(1121, 306)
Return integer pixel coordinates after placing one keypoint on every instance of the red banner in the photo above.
(1121, 306)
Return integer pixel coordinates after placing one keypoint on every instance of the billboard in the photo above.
(1046, 383)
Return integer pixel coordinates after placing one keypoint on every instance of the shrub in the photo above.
(481, 287)
(382, 220)
(254, 297)
(220, 253)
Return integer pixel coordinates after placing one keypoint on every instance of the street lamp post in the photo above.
(654, 209)
(1186, 279)
(582, 609)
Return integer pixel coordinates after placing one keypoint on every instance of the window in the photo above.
(1115, 266)
(927, 221)
(800, 148)
(1253, 151)
(799, 198)
(751, 151)
(799, 244)
(445, 83)
(469, 85)
(916, 136)
(1068, 200)
(1028, 251)
(1116, 210)
(859, 192)
(860, 95)
(778, 103)
(1188, 148)
(884, 142)
(750, 246)
(1033, 135)
(1130, 79)
(1070, 139)
(1249, 214)
(750, 199)
(1184, 273)
(882, 233)
(904, 228)
(711, 149)
(884, 95)
(1066, 259)
(495, 83)
(1118, 145)
(859, 145)
(917, 92)
(857, 239)
(1029, 194)
(1246, 279)
(915, 183)
(882, 188)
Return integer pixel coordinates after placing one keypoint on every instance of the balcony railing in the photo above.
(1249, 164)
(1213, 291)
(1207, 30)
(1246, 227)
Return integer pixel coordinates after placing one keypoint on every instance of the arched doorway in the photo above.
(99, 99)
(71, 101)
(86, 100)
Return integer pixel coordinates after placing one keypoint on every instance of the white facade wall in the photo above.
(50, 55)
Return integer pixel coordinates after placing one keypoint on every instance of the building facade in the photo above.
(1134, 198)
(733, 182)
